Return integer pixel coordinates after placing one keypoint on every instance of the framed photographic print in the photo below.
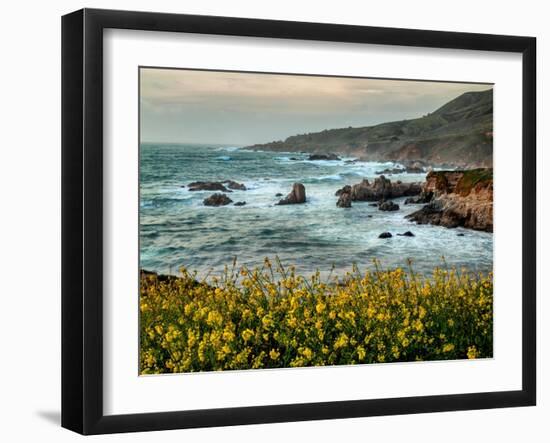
(269, 221)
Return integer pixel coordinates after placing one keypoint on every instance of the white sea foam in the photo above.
(229, 148)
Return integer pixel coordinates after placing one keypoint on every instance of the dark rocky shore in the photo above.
(380, 189)
(458, 198)
(450, 198)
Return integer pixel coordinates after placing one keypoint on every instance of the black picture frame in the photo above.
(82, 220)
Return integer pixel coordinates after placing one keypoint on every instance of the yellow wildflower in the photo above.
(448, 347)
(320, 307)
(247, 334)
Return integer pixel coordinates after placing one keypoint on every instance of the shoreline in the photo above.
(175, 223)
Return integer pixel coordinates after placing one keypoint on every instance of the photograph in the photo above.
(295, 220)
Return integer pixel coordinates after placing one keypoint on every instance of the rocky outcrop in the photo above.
(388, 206)
(460, 198)
(217, 200)
(381, 189)
(207, 186)
(223, 186)
(296, 196)
(344, 201)
(385, 235)
(234, 185)
(329, 156)
(345, 190)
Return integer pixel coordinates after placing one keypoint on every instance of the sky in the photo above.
(234, 108)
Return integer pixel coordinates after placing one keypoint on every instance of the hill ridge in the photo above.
(458, 133)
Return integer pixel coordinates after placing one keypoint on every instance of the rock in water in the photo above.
(382, 188)
(296, 196)
(207, 186)
(388, 206)
(239, 204)
(344, 201)
(329, 156)
(345, 190)
(217, 200)
(407, 234)
(385, 235)
(234, 185)
(223, 186)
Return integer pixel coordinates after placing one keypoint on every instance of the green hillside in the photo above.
(459, 133)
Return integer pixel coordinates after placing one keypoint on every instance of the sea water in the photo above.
(176, 229)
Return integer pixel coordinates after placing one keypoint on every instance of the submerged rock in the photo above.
(296, 196)
(407, 234)
(390, 171)
(223, 186)
(388, 206)
(217, 200)
(234, 185)
(329, 156)
(207, 186)
(385, 235)
(239, 204)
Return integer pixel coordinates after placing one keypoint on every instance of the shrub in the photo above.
(269, 317)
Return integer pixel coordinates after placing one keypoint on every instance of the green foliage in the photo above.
(473, 178)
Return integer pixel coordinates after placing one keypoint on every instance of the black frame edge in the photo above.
(72, 317)
(82, 195)
(529, 221)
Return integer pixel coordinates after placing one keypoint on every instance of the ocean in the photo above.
(176, 229)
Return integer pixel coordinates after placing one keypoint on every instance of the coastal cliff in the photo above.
(458, 134)
(458, 198)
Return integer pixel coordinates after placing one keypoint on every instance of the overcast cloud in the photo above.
(241, 109)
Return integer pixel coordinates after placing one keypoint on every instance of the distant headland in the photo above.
(458, 134)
